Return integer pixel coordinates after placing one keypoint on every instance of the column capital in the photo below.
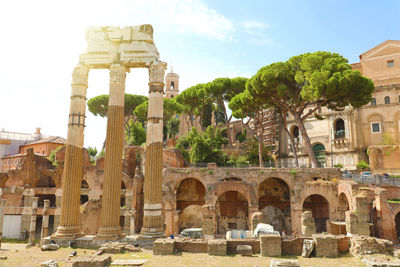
(118, 73)
(157, 72)
(80, 75)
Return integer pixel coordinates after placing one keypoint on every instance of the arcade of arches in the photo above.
(215, 199)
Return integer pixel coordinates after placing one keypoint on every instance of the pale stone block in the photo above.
(271, 245)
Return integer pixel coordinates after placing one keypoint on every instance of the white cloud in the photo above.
(186, 17)
(255, 25)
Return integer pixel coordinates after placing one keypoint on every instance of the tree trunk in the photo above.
(294, 150)
(228, 132)
(307, 142)
(260, 153)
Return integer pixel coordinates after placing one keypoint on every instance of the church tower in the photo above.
(171, 84)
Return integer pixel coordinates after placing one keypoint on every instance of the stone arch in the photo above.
(232, 210)
(343, 206)
(190, 197)
(319, 206)
(273, 191)
(339, 128)
(46, 181)
(375, 116)
(241, 187)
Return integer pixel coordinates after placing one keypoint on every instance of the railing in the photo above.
(373, 179)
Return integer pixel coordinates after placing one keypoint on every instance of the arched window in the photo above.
(387, 100)
(339, 129)
(373, 102)
(172, 84)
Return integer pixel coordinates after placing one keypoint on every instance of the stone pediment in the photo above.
(386, 48)
(131, 46)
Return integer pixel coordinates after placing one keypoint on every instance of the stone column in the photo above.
(2, 206)
(132, 224)
(152, 217)
(32, 229)
(45, 222)
(109, 228)
(69, 226)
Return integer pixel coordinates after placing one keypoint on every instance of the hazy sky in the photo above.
(41, 42)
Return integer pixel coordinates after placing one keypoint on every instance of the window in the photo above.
(390, 63)
(387, 100)
(375, 127)
(172, 84)
(373, 102)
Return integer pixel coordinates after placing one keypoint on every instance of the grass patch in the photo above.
(395, 200)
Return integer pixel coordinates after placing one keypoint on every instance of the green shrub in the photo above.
(338, 165)
(362, 165)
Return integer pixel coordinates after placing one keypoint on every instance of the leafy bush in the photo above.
(237, 161)
(362, 165)
(338, 165)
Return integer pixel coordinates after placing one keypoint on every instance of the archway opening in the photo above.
(46, 181)
(232, 212)
(339, 129)
(343, 206)
(274, 203)
(189, 199)
(43, 197)
(84, 185)
(397, 222)
(319, 207)
(320, 154)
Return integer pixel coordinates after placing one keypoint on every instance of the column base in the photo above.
(151, 233)
(67, 232)
(109, 233)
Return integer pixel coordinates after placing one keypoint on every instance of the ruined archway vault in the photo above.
(116, 49)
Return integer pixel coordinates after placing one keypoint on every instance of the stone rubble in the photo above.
(308, 247)
(117, 247)
(49, 263)
(361, 245)
(50, 247)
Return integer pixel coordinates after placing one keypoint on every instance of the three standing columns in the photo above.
(152, 219)
(70, 226)
(110, 213)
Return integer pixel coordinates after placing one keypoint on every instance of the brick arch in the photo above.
(245, 189)
(268, 195)
(344, 190)
(180, 180)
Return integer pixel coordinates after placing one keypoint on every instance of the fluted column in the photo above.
(45, 222)
(69, 226)
(152, 219)
(32, 228)
(109, 228)
(2, 206)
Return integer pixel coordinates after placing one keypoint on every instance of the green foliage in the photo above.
(219, 115)
(102, 153)
(395, 200)
(52, 156)
(302, 85)
(387, 139)
(293, 172)
(207, 115)
(138, 135)
(362, 165)
(204, 147)
(173, 127)
(252, 153)
(237, 161)
(98, 105)
(242, 136)
(338, 165)
(92, 151)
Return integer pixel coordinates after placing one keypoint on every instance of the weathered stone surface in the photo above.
(273, 216)
(128, 262)
(271, 245)
(163, 246)
(307, 224)
(284, 263)
(92, 261)
(326, 245)
(50, 247)
(49, 263)
(360, 245)
(308, 247)
(244, 250)
(117, 247)
(217, 247)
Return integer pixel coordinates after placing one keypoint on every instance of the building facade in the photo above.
(347, 137)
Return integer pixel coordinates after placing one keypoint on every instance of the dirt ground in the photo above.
(19, 256)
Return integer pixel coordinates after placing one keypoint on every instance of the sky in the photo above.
(204, 39)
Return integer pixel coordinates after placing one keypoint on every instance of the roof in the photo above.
(50, 139)
(21, 155)
(389, 45)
